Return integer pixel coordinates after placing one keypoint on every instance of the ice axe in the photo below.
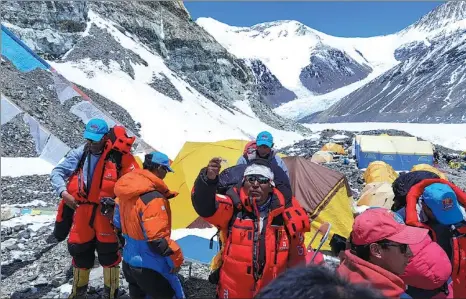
(324, 230)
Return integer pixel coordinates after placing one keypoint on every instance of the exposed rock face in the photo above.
(330, 69)
(165, 28)
(94, 48)
(166, 87)
(188, 49)
(270, 89)
(50, 28)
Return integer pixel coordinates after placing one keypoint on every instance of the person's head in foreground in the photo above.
(258, 181)
(380, 237)
(157, 163)
(95, 135)
(264, 143)
(315, 282)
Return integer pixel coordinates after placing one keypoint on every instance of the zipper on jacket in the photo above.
(255, 262)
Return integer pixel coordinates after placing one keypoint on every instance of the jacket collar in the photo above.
(277, 202)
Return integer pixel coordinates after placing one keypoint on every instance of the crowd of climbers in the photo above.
(111, 206)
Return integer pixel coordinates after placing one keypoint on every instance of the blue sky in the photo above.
(349, 19)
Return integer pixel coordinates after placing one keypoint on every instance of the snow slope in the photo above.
(16, 167)
(305, 106)
(286, 46)
(166, 123)
(448, 135)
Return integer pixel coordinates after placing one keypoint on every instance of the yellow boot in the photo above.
(111, 282)
(80, 282)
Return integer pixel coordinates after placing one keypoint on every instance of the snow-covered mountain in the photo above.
(304, 60)
(146, 58)
(322, 69)
(429, 83)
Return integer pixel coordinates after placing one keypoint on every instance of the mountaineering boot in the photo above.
(111, 282)
(80, 282)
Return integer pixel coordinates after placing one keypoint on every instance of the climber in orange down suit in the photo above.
(85, 180)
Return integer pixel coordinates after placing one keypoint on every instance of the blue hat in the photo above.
(264, 138)
(96, 128)
(442, 200)
(161, 159)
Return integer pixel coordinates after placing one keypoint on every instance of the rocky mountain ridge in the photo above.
(61, 31)
(348, 60)
(428, 86)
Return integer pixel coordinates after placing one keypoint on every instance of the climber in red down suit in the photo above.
(264, 232)
(85, 179)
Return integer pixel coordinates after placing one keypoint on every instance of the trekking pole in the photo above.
(324, 237)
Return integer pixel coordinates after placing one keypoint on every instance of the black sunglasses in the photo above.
(403, 247)
(261, 179)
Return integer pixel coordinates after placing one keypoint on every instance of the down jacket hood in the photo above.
(429, 267)
(359, 271)
(140, 181)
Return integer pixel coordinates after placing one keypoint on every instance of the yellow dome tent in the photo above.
(326, 196)
(192, 157)
(379, 194)
(322, 157)
(138, 160)
(333, 147)
(427, 167)
(379, 171)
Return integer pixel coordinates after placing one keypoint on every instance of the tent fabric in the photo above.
(322, 157)
(430, 168)
(324, 194)
(333, 147)
(379, 194)
(401, 152)
(379, 171)
(192, 157)
(197, 249)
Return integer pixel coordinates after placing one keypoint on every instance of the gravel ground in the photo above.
(17, 140)
(34, 93)
(34, 265)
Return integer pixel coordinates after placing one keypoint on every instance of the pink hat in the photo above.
(379, 223)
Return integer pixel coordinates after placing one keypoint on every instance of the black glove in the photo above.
(107, 207)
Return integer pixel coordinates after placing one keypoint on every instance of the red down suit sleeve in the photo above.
(215, 208)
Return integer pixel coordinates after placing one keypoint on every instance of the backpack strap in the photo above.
(82, 159)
